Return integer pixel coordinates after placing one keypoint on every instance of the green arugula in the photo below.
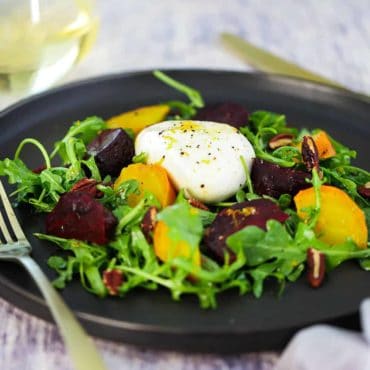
(262, 126)
(275, 253)
(87, 261)
(185, 110)
(85, 131)
(184, 223)
(42, 190)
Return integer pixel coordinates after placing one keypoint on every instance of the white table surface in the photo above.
(330, 37)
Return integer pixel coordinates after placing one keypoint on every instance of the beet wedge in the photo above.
(78, 215)
(230, 220)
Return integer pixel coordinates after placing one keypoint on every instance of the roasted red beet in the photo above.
(230, 220)
(79, 216)
(273, 180)
(113, 150)
(232, 113)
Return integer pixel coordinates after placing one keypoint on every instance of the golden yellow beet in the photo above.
(152, 178)
(165, 248)
(324, 145)
(139, 118)
(340, 217)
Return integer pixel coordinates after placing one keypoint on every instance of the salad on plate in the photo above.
(196, 198)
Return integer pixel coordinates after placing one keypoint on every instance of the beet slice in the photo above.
(232, 113)
(112, 149)
(273, 180)
(78, 215)
(230, 220)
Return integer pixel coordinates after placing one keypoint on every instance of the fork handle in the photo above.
(81, 348)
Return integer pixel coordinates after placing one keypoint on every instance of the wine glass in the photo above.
(40, 40)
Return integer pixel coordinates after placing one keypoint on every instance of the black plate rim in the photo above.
(274, 77)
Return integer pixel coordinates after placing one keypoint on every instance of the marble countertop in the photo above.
(331, 37)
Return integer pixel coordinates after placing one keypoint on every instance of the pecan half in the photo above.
(148, 223)
(87, 186)
(310, 154)
(364, 190)
(112, 279)
(280, 140)
(316, 267)
(197, 204)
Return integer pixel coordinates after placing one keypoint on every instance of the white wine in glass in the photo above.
(40, 40)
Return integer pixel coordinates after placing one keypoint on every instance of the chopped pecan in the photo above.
(148, 223)
(197, 204)
(87, 186)
(316, 267)
(310, 154)
(364, 190)
(112, 279)
(280, 140)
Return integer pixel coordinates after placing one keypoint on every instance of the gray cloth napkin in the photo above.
(324, 347)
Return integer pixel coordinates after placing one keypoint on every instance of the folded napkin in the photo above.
(323, 347)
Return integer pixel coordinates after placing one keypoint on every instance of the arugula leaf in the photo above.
(261, 119)
(184, 223)
(64, 268)
(284, 201)
(343, 156)
(18, 173)
(184, 110)
(130, 216)
(207, 217)
(270, 253)
(263, 272)
(367, 217)
(181, 110)
(260, 142)
(115, 197)
(339, 177)
(42, 190)
(84, 130)
(288, 153)
(365, 264)
(337, 254)
(140, 158)
(57, 263)
(92, 167)
(38, 145)
(87, 260)
(260, 246)
(194, 96)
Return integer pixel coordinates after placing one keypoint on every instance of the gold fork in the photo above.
(80, 347)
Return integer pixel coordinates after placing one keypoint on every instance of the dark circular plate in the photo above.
(239, 324)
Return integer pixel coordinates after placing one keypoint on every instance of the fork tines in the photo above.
(15, 227)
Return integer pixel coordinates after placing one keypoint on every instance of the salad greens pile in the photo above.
(279, 252)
